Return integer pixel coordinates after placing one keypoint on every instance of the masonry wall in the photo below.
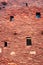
(24, 24)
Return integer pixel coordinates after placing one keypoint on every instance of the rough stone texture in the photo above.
(25, 24)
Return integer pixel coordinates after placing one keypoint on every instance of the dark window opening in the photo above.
(3, 7)
(15, 33)
(11, 18)
(38, 15)
(26, 4)
(28, 41)
(4, 3)
(5, 44)
(0, 8)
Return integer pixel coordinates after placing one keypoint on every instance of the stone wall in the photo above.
(17, 22)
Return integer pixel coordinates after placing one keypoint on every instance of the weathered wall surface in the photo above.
(25, 24)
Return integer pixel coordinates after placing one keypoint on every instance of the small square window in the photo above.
(11, 18)
(5, 44)
(38, 15)
(28, 41)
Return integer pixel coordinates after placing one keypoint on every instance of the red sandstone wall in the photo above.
(25, 24)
